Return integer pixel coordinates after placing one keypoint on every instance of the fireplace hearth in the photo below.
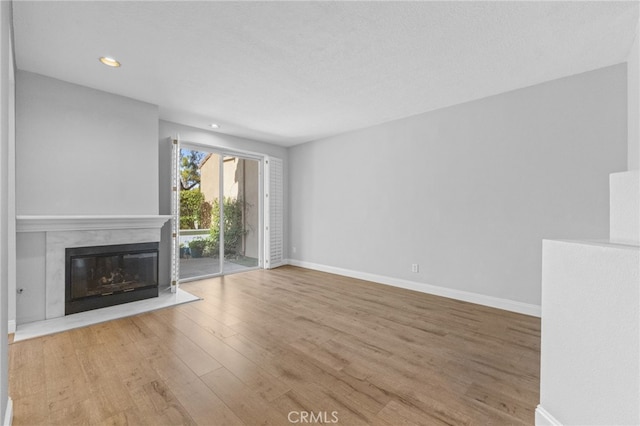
(101, 276)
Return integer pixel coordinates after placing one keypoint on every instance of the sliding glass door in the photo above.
(220, 210)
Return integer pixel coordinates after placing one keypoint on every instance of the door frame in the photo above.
(245, 155)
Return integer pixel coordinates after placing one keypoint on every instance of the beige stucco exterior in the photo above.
(241, 181)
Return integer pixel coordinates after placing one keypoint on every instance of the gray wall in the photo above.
(467, 192)
(31, 277)
(81, 151)
(633, 105)
(6, 66)
(206, 138)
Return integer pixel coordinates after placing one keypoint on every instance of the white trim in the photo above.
(88, 223)
(221, 213)
(261, 213)
(174, 222)
(11, 327)
(480, 299)
(274, 212)
(221, 150)
(266, 214)
(544, 418)
(8, 414)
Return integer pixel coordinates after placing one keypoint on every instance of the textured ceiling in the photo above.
(290, 72)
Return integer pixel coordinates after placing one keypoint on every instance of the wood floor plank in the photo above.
(263, 346)
(400, 413)
(166, 403)
(200, 402)
(248, 406)
(188, 351)
(146, 412)
(500, 401)
(253, 351)
(89, 409)
(133, 368)
(96, 363)
(28, 364)
(206, 321)
(31, 410)
(321, 353)
(249, 372)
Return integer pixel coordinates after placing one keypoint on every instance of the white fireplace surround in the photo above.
(63, 232)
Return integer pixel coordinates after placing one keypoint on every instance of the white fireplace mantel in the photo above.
(26, 223)
(62, 232)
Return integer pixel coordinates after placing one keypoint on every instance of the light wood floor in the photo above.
(264, 344)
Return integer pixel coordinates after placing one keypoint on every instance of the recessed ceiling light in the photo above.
(214, 126)
(110, 62)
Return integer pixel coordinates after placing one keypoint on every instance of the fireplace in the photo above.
(101, 276)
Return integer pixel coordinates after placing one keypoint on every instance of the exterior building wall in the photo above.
(241, 180)
(209, 178)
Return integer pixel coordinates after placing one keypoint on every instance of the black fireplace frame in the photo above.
(73, 306)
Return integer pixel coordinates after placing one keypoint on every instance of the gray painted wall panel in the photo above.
(30, 268)
(80, 151)
(467, 192)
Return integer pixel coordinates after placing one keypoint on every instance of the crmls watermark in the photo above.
(323, 417)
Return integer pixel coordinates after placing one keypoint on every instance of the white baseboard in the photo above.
(544, 418)
(11, 327)
(8, 414)
(465, 296)
(279, 264)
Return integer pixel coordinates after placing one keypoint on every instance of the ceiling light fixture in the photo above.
(110, 62)
(214, 126)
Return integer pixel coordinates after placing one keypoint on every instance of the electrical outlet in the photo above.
(415, 268)
(294, 250)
